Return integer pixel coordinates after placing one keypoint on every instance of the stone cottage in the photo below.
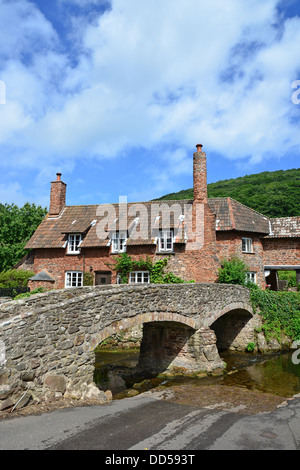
(195, 234)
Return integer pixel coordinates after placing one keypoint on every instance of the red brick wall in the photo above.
(46, 285)
(278, 251)
(200, 176)
(199, 265)
(230, 244)
(57, 196)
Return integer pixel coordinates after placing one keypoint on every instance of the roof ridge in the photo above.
(253, 210)
(135, 202)
(287, 217)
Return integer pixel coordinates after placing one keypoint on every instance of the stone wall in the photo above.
(169, 347)
(48, 340)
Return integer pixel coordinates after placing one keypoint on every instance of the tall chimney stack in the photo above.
(200, 175)
(57, 196)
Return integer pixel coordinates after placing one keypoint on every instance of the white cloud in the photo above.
(219, 72)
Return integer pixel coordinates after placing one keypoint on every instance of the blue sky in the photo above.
(115, 94)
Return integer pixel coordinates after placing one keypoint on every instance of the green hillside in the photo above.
(274, 193)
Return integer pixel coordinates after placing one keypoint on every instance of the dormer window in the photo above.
(74, 241)
(118, 241)
(166, 240)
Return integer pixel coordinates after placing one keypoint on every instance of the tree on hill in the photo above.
(275, 194)
(17, 224)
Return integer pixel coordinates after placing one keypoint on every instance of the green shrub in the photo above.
(250, 347)
(289, 276)
(38, 290)
(280, 311)
(88, 279)
(15, 278)
(233, 271)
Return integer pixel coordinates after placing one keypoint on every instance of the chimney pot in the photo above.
(58, 176)
(199, 147)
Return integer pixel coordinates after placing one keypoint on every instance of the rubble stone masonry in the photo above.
(48, 340)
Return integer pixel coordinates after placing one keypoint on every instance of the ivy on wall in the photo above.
(280, 311)
(124, 264)
(88, 279)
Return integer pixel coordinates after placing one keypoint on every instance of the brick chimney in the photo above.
(57, 196)
(200, 175)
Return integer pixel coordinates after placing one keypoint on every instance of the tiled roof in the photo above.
(285, 227)
(42, 276)
(232, 215)
(53, 232)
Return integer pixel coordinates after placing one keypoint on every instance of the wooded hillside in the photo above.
(274, 193)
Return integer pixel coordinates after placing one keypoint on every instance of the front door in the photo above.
(102, 277)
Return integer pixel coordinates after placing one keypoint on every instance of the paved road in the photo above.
(145, 422)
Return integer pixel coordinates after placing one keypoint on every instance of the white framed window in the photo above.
(166, 240)
(247, 245)
(139, 277)
(74, 241)
(251, 277)
(74, 279)
(118, 241)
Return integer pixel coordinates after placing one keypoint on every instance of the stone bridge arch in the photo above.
(140, 319)
(55, 334)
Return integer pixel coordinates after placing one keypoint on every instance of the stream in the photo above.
(274, 374)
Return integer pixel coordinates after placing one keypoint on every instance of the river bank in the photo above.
(252, 384)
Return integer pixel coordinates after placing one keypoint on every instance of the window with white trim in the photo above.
(166, 240)
(139, 277)
(74, 279)
(247, 245)
(118, 241)
(74, 241)
(251, 277)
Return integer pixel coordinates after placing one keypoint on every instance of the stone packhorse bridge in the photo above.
(47, 341)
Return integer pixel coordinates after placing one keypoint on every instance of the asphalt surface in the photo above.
(148, 423)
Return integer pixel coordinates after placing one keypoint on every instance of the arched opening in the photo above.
(116, 360)
(166, 347)
(233, 330)
(137, 349)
